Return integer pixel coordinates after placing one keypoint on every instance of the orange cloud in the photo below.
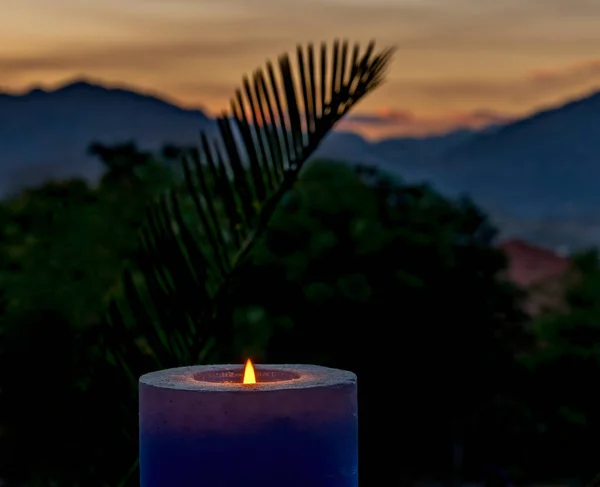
(581, 71)
(137, 58)
(383, 117)
(531, 88)
(389, 123)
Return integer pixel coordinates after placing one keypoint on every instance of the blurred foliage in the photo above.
(355, 270)
(565, 366)
(76, 273)
(63, 248)
(403, 286)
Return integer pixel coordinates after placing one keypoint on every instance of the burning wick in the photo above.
(249, 376)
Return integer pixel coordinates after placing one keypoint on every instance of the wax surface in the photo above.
(200, 427)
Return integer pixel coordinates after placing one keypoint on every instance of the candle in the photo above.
(223, 426)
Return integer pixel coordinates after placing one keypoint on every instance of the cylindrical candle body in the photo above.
(201, 427)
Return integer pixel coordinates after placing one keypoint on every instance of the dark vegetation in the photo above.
(285, 262)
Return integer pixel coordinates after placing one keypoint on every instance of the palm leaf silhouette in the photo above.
(197, 235)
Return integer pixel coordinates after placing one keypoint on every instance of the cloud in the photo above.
(580, 72)
(481, 118)
(384, 118)
(388, 123)
(458, 101)
(569, 8)
(533, 88)
(131, 57)
(243, 19)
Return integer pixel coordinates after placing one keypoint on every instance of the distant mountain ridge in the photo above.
(543, 169)
(45, 134)
(538, 177)
(85, 86)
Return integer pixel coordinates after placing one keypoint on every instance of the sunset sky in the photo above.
(459, 62)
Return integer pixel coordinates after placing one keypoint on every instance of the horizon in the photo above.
(458, 65)
(350, 124)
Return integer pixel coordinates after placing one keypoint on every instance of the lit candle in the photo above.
(223, 426)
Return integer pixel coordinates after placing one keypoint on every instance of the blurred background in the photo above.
(441, 242)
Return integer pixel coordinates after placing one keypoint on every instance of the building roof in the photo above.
(529, 264)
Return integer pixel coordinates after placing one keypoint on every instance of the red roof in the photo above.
(529, 264)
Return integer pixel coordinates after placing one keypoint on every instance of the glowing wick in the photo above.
(249, 376)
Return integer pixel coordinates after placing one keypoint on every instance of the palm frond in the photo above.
(196, 236)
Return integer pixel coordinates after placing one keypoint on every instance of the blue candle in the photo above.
(201, 426)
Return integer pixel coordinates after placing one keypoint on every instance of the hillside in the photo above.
(45, 135)
(537, 176)
(546, 165)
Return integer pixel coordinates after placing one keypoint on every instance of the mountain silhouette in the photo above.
(549, 164)
(537, 177)
(45, 134)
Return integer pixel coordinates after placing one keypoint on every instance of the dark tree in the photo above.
(403, 286)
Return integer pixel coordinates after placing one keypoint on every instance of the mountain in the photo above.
(545, 165)
(540, 174)
(45, 135)
(408, 157)
(537, 177)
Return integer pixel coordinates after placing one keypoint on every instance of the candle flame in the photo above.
(249, 376)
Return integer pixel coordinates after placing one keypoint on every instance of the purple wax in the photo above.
(296, 427)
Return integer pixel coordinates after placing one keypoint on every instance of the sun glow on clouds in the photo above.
(388, 123)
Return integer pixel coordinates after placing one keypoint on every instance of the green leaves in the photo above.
(198, 234)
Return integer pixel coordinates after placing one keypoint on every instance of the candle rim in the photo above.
(310, 376)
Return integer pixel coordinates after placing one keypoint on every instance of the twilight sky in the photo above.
(459, 62)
